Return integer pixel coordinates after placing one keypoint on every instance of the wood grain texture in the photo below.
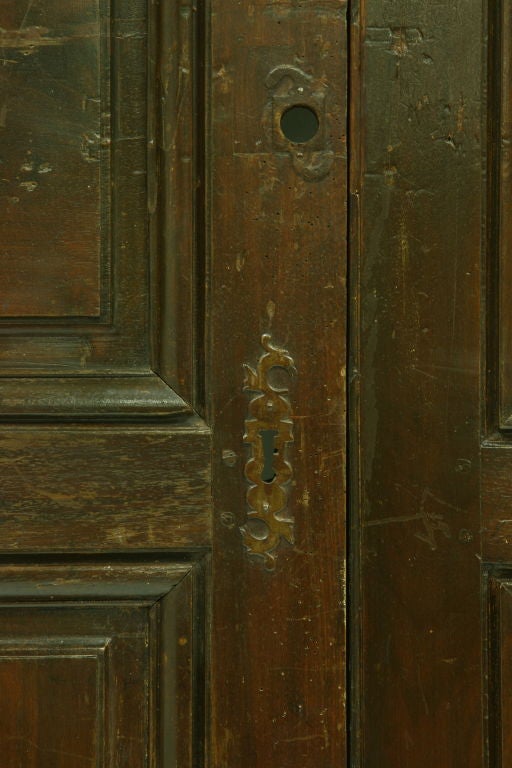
(417, 178)
(59, 711)
(276, 216)
(55, 171)
(278, 266)
(104, 488)
(177, 196)
(500, 668)
(95, 680)
(103, 654)
(89, 397)
(102, 264)
(502, 116)
(497, 501)
(183, 674)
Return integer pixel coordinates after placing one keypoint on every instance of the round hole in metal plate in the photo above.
(299, 123)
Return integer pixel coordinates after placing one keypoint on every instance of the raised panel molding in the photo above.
(102, 662)
(499, 666)
(500, 283)
(61, 712)
(98, 309)
(55, 160)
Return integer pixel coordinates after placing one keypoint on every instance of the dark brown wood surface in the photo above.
(100, 265)
(99, 665)
(501, 128)
(173, 278)
(86, 488)
(54, 60)
(278, 635)
(431, 395)
(105, 466)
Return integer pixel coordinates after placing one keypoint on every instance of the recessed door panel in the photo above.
(100, 664)
(90, 284)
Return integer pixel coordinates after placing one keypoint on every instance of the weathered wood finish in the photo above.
(278, 231)
(416, 283)
(179, 236)
(502, 133)
(54, 69)
(496, 483)
(496, 501)
(209, 229)
(105, 466)
(91, 488)
(99, 261)
(100, 664)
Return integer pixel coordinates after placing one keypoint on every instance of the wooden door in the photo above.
(172, 352)
(432, 388)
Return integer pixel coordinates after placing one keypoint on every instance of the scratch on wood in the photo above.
(433, 522)
(28, 40)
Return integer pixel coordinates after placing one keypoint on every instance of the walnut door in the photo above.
(432, 397)
(171, 395)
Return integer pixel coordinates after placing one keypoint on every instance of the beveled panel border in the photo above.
(497, 597)
(8, 324)
(149, 354)
(74, 648)
(89, 397)
(499, 230)
(173, 587)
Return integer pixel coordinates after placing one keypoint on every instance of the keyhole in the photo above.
(299, 124)
(269, 451)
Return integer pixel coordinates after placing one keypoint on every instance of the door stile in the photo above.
(278, 301)
(356, 127)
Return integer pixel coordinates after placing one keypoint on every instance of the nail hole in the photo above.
(299, 124)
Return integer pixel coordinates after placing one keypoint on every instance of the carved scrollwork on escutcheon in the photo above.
(290, 86)
(268, 432)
